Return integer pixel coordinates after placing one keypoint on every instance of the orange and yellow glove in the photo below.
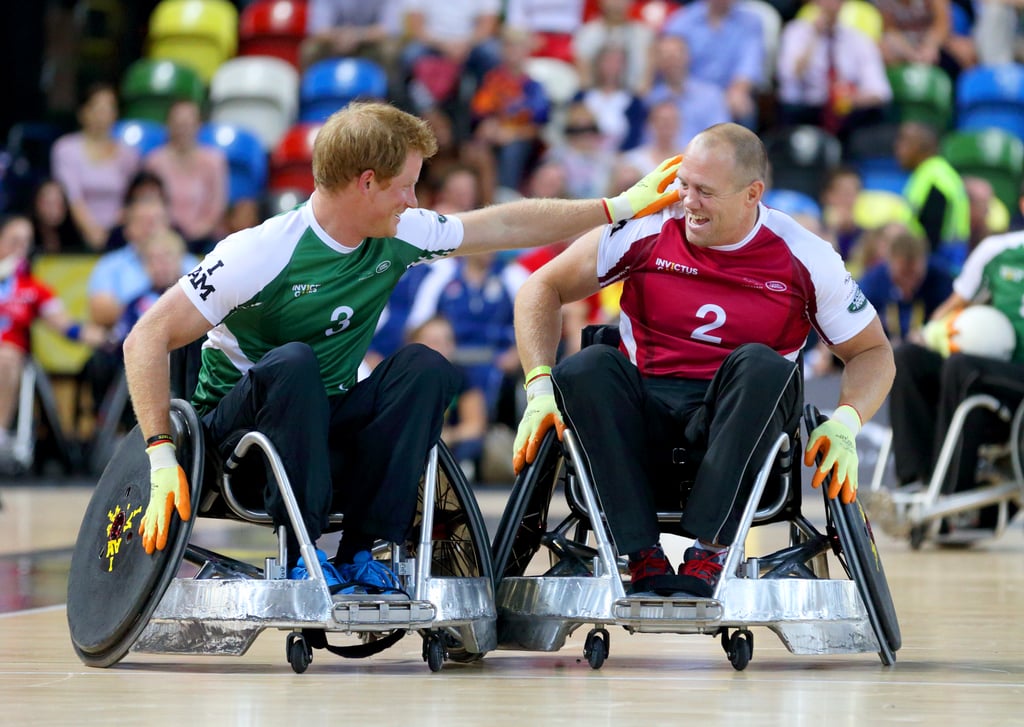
(646, 196)
(168, 490)
(834, 440)
(540, 415)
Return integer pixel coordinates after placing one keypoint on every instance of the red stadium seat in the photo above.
(273, 28)
(291, 161)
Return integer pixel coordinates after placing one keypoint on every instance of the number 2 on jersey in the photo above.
(717, 315)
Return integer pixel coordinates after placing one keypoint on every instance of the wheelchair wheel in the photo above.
(459, 539)
(524, 520)
(114, 586)
(860, 558)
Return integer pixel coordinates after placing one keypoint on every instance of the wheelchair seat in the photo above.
(444, 566)
(788, 590)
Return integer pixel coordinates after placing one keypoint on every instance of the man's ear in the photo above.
(366, 179)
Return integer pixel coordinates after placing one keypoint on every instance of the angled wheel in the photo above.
(862, 562)
(596, 647)
(114, 586)
(459, 544)
(300, 653)
(524, 520)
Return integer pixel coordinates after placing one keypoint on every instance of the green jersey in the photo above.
(994, 274)
(287, 280)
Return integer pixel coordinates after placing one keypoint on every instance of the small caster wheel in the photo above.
(434, 652)
(299, 653)
(738, 648)
(595, 649)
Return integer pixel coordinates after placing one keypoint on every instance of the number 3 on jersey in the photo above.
(717, 315)
(341, 318)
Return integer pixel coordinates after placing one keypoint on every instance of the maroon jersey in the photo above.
(685, 308)
(22, 298)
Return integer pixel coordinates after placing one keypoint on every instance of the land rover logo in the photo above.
(383, 266)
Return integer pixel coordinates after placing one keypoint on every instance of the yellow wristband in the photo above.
(538, 371)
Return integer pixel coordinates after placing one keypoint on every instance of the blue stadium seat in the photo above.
(247, 161)
(991, 96)
(331, 84)
(792, 202)
(141, 134)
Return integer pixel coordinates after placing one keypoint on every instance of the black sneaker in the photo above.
(701, 570)
(645, 566)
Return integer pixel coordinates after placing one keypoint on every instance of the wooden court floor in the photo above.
(961, 615)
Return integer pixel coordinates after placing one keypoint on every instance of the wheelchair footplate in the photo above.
(680, 613)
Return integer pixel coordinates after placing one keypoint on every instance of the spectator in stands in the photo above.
(94, 168)
(726, 44)
(195, 176)
(161, 256)
(466, 420)
(475, 294)
(585, 153)
(118, 278)
(343, 28)
(662, 134)
(907, 288)
(615, 27)
(701, 104)
(144, 185)
(996, 31)
(52, 227)
(509, 110)
(620, 114)
(830, 74)
(837, 203)
(444, 41)
(935, 192)
(920, 31)
(553, 22)
(23, 299)
(982, 198)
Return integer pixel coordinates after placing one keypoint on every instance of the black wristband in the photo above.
(157, 438)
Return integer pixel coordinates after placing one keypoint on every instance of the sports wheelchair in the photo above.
(37, 404)
(789, 590)
(929, 513)
(120, 599)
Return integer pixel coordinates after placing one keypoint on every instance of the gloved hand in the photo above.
(646, 196)
(540, 415)
(168, 490)
(936, 335)
(834, 440)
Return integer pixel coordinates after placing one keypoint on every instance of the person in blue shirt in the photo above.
(907, 287)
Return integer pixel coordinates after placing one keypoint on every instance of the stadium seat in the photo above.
(141, 134)
(199, 33)
(859, 14)
(992, 154)
(273, 28)
(801, 157)
(259, 93)
(869, 150)
(291, 160)
(150, 87)
(281, 200)
(874, 208)
(792, 203)
(922, 93)
(331, 84)
(247, 160)
(991, 96)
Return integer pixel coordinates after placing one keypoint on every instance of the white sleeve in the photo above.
(968, 283)
(436, 234)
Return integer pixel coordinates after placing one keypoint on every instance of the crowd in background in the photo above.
(650, 76)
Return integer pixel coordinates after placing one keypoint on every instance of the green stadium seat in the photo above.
(150, 87)
(992, 154)
(922, 93)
